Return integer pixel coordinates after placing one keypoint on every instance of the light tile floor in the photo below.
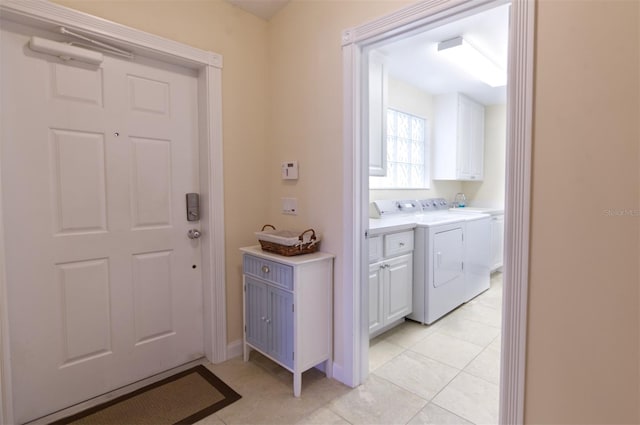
(446, 373)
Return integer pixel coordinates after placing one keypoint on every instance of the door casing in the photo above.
(355, 42)
(42, 14)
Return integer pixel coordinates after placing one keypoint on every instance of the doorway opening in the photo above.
(357, 45)
(437, 133)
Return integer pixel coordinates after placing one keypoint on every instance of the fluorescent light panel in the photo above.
(470, 60)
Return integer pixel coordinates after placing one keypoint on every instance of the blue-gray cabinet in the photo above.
(269, 320)
(288, 310)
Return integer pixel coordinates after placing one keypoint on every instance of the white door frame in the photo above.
(518, 185)
(42, 14)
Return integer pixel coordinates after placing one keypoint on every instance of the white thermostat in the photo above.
(290, 170)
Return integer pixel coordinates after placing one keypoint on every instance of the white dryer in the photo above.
(451, 259)
(439, 284)
(439, 279)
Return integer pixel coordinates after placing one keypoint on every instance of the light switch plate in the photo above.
(290, 206)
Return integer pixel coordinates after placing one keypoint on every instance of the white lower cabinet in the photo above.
(391, 283)
(288, 310)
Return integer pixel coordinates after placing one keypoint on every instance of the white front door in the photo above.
(104, 287)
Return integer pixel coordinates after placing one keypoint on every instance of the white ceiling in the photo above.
(414, 59)
(264, 9)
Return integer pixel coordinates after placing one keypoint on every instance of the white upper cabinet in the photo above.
(458, 138)
(377, 100)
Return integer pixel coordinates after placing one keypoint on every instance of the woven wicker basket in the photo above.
(281, 242)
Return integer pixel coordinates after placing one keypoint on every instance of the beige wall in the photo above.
(490, 191)
(407, 98)
(583, 335)
(305, 83)
(241, 38)
(583, 354)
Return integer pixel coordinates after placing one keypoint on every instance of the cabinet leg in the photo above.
(297, 384)
(246, 351)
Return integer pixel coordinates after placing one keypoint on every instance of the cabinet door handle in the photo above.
(268, 321)
(265, 269)
(263, 318)
(401, 244)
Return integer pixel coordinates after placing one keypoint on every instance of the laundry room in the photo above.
(437, 145)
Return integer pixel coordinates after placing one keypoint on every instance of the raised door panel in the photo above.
(280, 325)
(151, 182)
(77, 169)
(86, 310)
(398, 288)
(152, 296)
(256, 313)
(375, 297)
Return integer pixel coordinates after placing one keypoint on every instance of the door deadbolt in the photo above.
(193, 207)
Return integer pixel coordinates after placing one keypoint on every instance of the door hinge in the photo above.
(366, 234)
(462, 265)
(293, 308)
(245, 328)
(293, 355)
(245, 287)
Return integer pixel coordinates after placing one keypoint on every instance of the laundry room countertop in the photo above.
(378, 226)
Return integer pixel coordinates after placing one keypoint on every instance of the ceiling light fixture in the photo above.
(472, 61)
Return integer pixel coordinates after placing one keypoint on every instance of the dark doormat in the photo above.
(183, 398)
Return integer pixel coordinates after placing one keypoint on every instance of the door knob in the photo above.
(194, 233)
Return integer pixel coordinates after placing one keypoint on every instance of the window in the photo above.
(407, 153)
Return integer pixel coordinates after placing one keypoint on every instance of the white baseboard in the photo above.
(234, 349)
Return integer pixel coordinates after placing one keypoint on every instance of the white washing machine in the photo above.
(477, 254)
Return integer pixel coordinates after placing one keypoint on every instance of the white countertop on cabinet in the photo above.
(293, 260)
(485, 210)
(379, 226)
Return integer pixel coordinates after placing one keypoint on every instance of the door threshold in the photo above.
(92, 402)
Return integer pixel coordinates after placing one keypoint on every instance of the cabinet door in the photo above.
(476, 125)
(376, 276)
(470, 139)
(398, 288)
(377, 114)
(280, 325)
(465, 138)
(256, 313)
